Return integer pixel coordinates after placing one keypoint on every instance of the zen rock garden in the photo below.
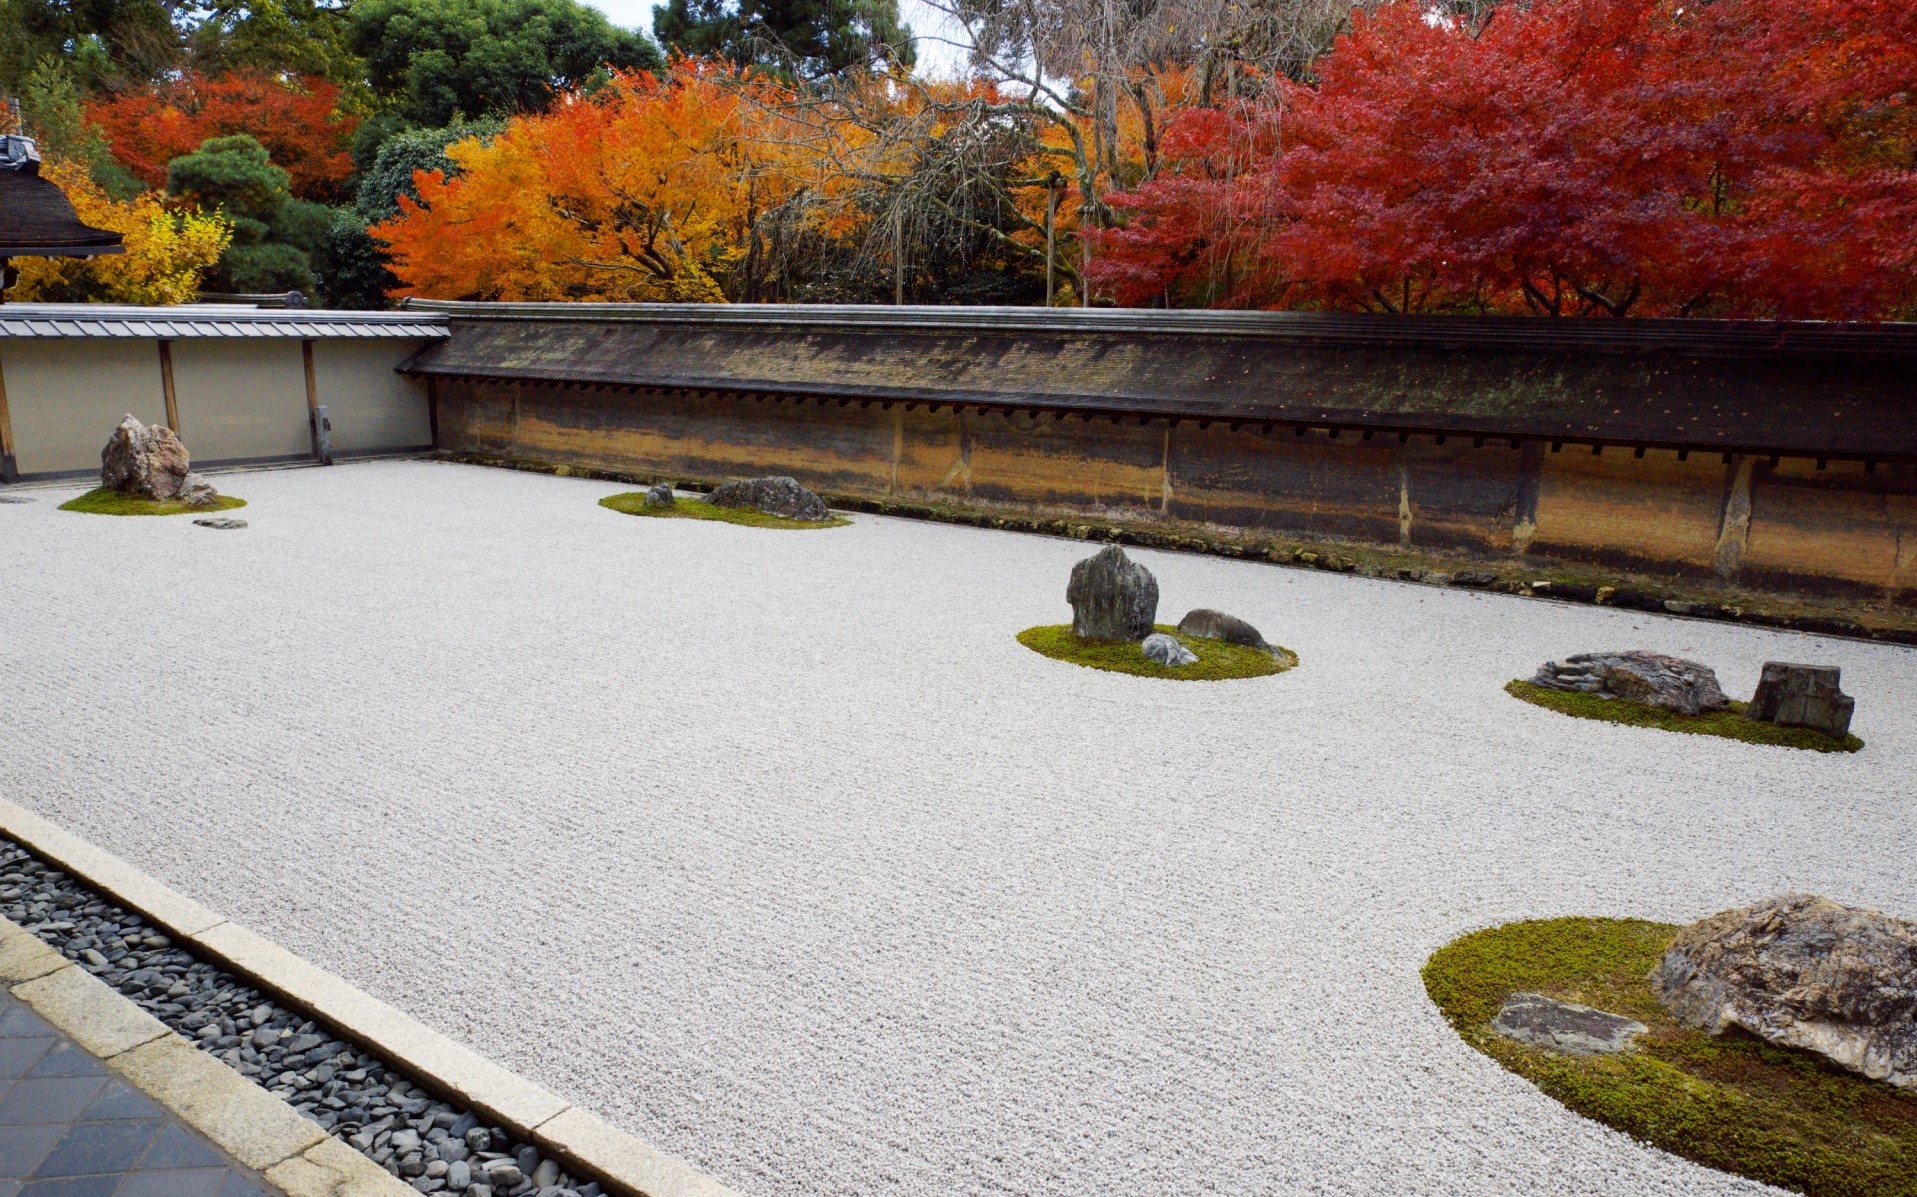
(145, 470)
(1776, 1041)
(1799, 706)
(1114, 603)
(768, 502)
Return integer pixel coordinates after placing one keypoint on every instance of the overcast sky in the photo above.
(938, 57)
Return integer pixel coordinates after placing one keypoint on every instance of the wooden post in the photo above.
(316, 420)
(8, 471)
(166, 387)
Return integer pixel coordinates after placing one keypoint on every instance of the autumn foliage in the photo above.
(1641, 157)
(297, 120)
(168, 251)
(646, 189)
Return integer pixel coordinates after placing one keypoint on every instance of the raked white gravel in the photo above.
(776, 849)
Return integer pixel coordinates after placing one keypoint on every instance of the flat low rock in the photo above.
(1112, 597)
(1803, 696)
(149, 460)
(1205, 624)
(1650, 678)
(15, 499)
(1166, 650)
(779, 496)
(1564, 1026)
(222, 523)
(1805, 972)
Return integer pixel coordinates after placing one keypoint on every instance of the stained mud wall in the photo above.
(1837, 527)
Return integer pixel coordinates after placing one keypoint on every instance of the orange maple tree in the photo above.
(297, 119)
(644, 189)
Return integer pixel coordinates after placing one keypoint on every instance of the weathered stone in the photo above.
(220, 523)
(149, 460)
(1803, 696)
(774, 496)
(1166, 650)
(660, 495)
(1206, 624)
(1650, 678)
(15, 499)
(1805, 972)
(1474, 579)
(1564, 1026)
(1112, 597)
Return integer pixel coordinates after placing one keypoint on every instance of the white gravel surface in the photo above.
(776, 849)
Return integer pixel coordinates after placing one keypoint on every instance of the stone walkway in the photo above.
(70, 1128)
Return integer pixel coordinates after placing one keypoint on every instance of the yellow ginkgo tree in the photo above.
(167, 250)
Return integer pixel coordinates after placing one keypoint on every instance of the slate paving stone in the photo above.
(18, 1056)
(68, 1128)
(68, 1059)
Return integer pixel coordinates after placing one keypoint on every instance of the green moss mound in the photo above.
(1731, 724)
(1217, 661)
(634, 503)
(1731, 1102)
(101, 501)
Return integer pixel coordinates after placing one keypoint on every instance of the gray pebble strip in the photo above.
(361, 1100)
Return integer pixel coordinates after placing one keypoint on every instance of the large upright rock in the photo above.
(1650, 678)
(1112, 597)
(149, 460)
(1803, 971)
(775, 496)
(1803, 696)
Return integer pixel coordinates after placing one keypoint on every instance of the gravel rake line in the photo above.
(361, 1100)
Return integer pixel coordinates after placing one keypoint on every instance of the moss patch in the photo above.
(634, 503)
(101, 501)
(1732, 1101)
(1217, 661)
(1730, 724)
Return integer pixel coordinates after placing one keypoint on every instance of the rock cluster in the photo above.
(1166, 650)
(149, 460)
(1564, 1026)
(1803, 696)
(1805, 972)
(1112, 597)
(1205, 624)
(434, 1146)
(1650, 678)
(774, 496)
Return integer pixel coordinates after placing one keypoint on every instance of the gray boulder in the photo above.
(1805, 972)
(1650, 678)
(660, 495)
(222, 523)
(1112, 597)
(149, 460)
(1803, 696)
(1206, 624)
(774, 496)
(1564, 1026)
(1166, 650)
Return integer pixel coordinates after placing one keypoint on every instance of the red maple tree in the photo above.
(1576, 157)
(298, 120)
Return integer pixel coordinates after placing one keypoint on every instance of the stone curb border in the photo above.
(256, 1128)
(579, 1138)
